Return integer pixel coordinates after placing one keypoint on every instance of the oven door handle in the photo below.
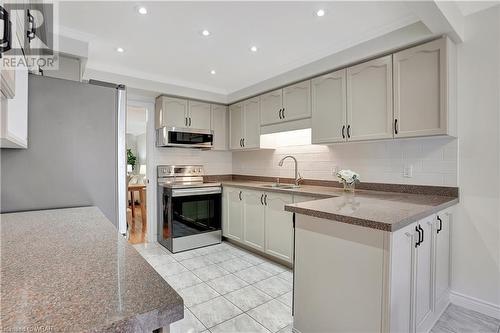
(184, 192)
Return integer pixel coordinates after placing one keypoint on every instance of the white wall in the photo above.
(476, 230)
(434, 161)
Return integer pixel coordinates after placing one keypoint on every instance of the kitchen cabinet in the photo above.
(181, 113)
(422, 89)
(245, 124)
(401, 276)
(369, 100)
(171, 112)
(258, 219)
(218, 123)
(271, 104)
(8, 83)
(287, 104)
(235, 126)
(253, 219)
(279, 226)
(329, 108)
(441, 264)
(232, 223)
(198, 115)
(420, 273)
(14, 114)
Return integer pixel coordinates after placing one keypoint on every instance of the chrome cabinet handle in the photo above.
(261, 198)
(284, 113)
(279, 113)
(189, 121)
(265, 199)
(395, 126)
(348, 131)
(343, 132)
(239, 195)
(186, 121)
(417, 244)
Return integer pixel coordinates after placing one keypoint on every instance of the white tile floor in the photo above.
(225, 289)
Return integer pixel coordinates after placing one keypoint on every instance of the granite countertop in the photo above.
(388, 211)
(69, 270)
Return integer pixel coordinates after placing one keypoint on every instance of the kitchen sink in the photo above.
(282, 186)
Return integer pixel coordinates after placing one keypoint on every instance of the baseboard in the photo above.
(475, 304)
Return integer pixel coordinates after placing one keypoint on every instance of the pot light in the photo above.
(320, 13)
(142, 10)
(212, 72)
(205, 33)
(120, 49)
(253, 49)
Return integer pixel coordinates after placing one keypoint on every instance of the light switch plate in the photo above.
(408, 171)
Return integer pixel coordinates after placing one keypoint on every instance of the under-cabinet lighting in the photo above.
(300, 137)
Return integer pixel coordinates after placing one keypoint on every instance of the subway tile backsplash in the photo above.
(433, 161)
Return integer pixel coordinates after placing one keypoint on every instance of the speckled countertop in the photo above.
(68, 270)
(388, 211)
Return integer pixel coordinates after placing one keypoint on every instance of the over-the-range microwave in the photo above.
(184, 137)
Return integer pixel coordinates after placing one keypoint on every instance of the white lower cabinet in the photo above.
(419, 288)
(258, 219)
(279, 226)
(232, 217)
(253, 219)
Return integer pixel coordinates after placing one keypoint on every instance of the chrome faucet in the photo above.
(298, 178)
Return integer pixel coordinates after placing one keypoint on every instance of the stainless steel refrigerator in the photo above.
(75, 133)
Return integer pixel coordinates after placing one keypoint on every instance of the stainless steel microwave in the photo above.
(184, 137)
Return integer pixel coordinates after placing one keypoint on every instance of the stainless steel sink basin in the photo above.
(282, 186)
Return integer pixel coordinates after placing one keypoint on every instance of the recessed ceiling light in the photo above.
(205, 33)
(320, 13)
(253, 49)
(212, 72)
(142, 10)
(120, 49)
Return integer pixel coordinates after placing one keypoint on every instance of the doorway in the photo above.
(137, 212)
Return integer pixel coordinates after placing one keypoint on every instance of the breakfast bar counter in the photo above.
(69, 270)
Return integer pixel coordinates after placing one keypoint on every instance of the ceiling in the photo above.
(166, 45)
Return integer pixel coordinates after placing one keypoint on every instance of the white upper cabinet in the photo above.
(329, 108)
(271, 105)
(369, 100)
(245, 124)
(171, 112)
(14, 114)
(236, 126)
(287, 104)
(297, 101)
(421, 90)
(219, 126)
(199, 115)
(251, 123)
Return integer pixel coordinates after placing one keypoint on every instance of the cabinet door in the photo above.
(402, 251)
(297, 101)
(329, 108)
(251, 123)
(234, 214)
(424, 304)
(442, 255)
(158, 112)
(369, 100)
(253, 219)
(219, 126)
(174, 112)
(14, 116)
(270, 107)
(199, 115)
(8, 83)
(236, 126)
(420, 90)
(279, 226)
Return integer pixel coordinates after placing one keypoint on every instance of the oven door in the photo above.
(195, 211)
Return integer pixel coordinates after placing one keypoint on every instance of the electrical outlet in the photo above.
(408, 171)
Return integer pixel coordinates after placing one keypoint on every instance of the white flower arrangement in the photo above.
(348, 177)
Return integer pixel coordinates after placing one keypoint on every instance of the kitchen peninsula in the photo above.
(69, 270)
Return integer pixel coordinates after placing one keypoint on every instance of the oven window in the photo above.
(189, 138)
(195, 214)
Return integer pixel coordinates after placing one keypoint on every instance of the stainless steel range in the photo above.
(189, 210)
